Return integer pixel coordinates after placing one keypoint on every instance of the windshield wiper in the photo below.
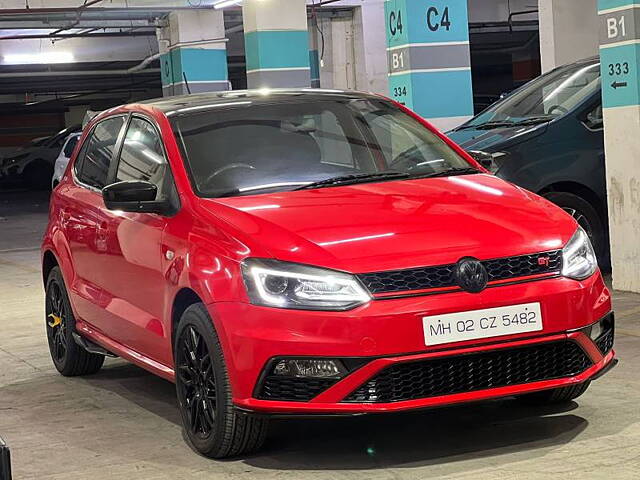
(535, 120)
(450, 172)
(507, 123)
(487, 125)
(352, 179)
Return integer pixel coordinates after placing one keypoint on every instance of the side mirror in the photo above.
(134, 196)
(594, 121)
(483, 158)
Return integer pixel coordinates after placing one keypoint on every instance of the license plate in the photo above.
(485, 323)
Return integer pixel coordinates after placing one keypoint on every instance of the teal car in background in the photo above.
(547, 136)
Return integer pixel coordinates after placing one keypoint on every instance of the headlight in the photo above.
(578, 258)
(279, 284)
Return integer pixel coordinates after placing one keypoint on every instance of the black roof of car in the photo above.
(201, 101)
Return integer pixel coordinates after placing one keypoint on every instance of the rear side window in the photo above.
(98, 152)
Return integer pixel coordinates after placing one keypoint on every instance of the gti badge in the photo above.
(471, 275)
(544, 261)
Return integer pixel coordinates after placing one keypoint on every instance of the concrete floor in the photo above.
(123, 422)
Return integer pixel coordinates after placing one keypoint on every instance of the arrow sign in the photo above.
(617, 85)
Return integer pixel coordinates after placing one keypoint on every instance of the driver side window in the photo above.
(142, 158)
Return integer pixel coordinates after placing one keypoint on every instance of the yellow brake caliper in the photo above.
(56, 320)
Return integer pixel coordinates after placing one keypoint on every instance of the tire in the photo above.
(555, 395)
(214, 427)
(69, 358)
(37, 175)
(586, 216)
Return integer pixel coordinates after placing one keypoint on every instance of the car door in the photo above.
(80, 214)
(132, 277)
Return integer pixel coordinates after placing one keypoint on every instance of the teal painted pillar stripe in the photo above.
(428, 55)
(619, 52)
(422, 92)
(609, 4)
(271, 49)
(199, 64)
(314, 62)
(205, 70)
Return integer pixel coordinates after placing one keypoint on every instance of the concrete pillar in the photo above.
(193, 47)
(429, 60)
(276, 43)
(568, 31)
(75, 115)
(620, 69)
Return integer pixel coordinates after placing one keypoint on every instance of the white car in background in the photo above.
(63, 158)
(33, 163)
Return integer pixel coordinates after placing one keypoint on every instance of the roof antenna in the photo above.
(186, 82)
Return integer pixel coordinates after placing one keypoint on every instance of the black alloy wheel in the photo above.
(197, 385)
(212, 425)
(56, 323)
(68, 357)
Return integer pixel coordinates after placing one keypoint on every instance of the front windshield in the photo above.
(291, 145)
(547, 97)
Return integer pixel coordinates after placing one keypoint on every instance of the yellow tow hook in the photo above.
(56, 320)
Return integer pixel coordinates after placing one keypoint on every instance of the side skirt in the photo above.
(157, 368)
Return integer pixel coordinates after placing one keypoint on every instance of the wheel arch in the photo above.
(581, 191)
(49, 262)
(182, 300)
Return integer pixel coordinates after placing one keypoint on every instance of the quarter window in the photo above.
(98, 152)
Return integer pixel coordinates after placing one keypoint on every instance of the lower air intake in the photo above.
(470, 372)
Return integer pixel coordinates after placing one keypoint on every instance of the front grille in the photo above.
(293, 388)
(442, 276)
(470, 372)
(605, 341)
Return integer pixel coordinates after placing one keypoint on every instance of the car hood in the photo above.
(495, 138)
(395, 224)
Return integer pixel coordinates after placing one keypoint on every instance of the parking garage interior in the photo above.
(64, 63)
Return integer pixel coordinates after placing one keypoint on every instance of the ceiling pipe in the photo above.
(78, 73)
(79, 11)
(46, 10)
(128, 33)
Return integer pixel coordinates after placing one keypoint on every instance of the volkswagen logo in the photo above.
(471, 275)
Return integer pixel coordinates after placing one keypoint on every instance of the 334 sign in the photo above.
(400, 91)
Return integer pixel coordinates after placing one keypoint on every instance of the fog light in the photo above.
(316, 368)
(596, 330)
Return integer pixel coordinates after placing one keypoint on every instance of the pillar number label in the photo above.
(437, 20)
(616, 27)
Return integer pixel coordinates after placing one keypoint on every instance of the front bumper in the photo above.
(339, 398)
(389, 332)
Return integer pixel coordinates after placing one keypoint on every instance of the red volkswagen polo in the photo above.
(312, 252)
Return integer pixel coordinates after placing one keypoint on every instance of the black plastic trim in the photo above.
(458, 290)
(5, 461)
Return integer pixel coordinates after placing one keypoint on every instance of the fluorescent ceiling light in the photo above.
(40, 57)
(226, 3)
